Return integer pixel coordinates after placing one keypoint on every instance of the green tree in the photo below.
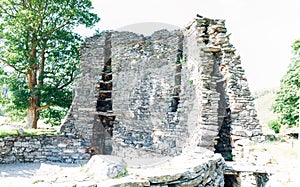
(38, 43)
(287, 98)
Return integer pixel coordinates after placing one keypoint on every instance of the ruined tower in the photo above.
(142, 96)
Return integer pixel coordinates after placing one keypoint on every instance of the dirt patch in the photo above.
(281, 160)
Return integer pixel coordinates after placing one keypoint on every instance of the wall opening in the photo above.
(101, 140)
(223, 144)
(176, 91)
(105, 87)
(104, 120)
(104, 100)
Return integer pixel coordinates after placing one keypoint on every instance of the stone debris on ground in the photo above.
(283, 171)
(105, 170)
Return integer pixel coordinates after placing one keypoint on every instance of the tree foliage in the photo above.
(38, 43)
(287, 98)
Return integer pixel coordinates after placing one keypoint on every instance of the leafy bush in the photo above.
(53, 115)
(274, 125)
(287, 98)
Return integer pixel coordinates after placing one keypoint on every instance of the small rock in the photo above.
(20, 131)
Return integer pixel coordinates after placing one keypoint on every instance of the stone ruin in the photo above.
(156, 95)
(164, 95)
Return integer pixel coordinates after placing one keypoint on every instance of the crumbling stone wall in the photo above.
(42, 148)
(226, 112)
(161, 94)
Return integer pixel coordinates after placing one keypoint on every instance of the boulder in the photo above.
(102, 167)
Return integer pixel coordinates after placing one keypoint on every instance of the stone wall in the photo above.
(146, 86)
(80, 119)
(226, 113)
(160, 94)
(42, 149)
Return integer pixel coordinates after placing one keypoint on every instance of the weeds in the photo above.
(123, 174)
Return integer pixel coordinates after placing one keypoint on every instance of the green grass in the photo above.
(7, 133)
(26, 133)
(123, 174)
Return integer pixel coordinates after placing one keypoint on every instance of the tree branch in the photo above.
(67, 83)
(55, 29)
(10, 65)
(6, 12)
(42, 64)
(42, 108)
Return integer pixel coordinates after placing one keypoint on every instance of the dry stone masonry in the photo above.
(42, 148)
(142, 96)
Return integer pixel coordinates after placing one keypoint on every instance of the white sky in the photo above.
(262, 30)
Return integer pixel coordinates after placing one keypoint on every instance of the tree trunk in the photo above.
(33, 113)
